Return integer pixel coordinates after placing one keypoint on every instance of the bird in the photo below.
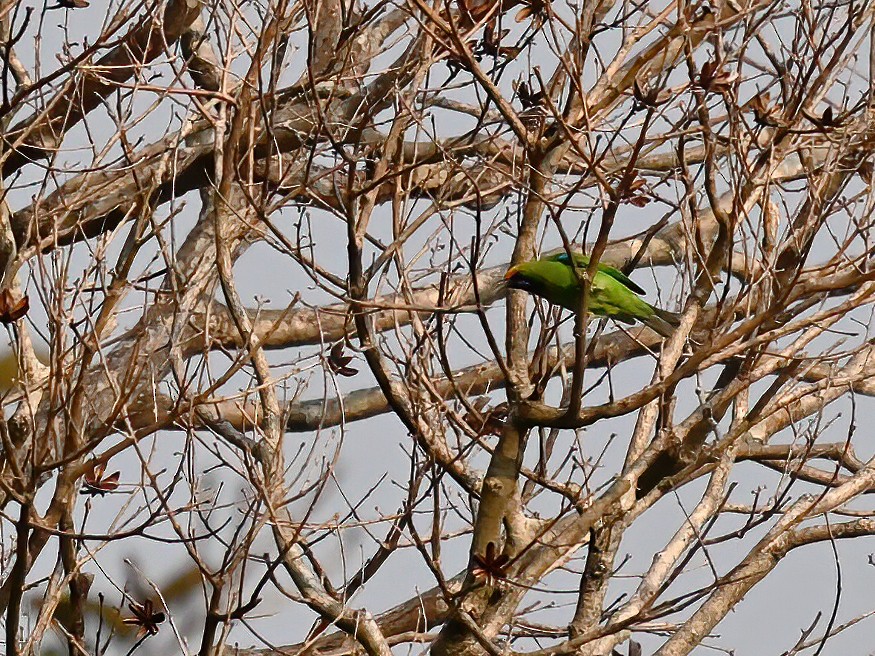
(612, 293)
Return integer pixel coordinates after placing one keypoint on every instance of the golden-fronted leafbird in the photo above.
(612, 294)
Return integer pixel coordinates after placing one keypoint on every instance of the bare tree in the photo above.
(190, 367)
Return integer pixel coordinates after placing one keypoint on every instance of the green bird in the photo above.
(612, 294)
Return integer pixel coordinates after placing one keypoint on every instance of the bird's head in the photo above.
(526, 276)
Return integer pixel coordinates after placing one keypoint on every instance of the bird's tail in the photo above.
(663, 322)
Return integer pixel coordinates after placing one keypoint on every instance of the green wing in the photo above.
(582, 261)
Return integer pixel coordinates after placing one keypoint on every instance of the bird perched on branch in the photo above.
(612, 294)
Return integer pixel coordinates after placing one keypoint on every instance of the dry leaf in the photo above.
(475, 11)
(649, 97)
(491, 566)
(636, 194)
(338, 362)
(529, 98)
(826, 121)
(486, 421)
(457, 62)
(490, 44)
(145, 616)
(10, 309)
(866, 171)
(534, 8)
(638, 201)
(711, 78)
(763, 113)
(95, 484)
(771, 220)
